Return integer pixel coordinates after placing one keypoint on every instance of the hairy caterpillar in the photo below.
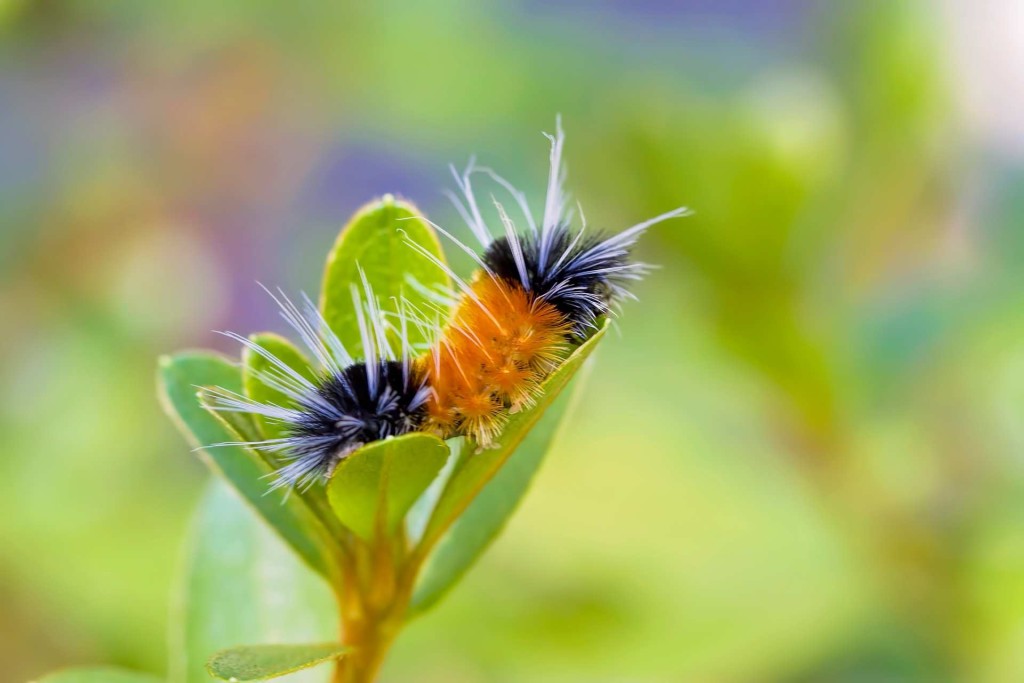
(349, 404)
(534, 296)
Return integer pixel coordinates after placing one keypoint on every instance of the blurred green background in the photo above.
(801, 460)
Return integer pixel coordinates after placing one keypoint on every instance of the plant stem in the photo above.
(373, 602)
(370, 642)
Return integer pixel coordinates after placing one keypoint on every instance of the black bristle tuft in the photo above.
(348, 410)
(578, 275)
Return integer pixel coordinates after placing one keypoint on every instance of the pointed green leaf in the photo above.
(375, 240)
(97, 675)
(472, 474)
(376, 485)
(260, 662)
(488, 513)
(253, 364)
(290, 516)
(240, 583)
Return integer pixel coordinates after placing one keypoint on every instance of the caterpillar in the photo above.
(347, 405)
(534, 296)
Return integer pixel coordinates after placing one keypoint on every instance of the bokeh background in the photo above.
(801, 460)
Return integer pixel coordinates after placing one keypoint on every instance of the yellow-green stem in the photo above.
(373, 602)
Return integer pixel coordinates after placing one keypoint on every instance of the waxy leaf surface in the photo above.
(374, 487)
(375, 241)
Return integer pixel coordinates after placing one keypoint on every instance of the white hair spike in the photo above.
(454, 240)
(463, 285)
(366, 337)
(476, 222)
(554, 200)
(333, 342)
(514, 245)
(298, 322)
(269, 357)
(518, 195)
(384, 351)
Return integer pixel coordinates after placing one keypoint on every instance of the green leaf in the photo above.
(487, 514)
(253, 364)
(97, 675)
(372, 241)
(241, 584)
(472, 474)
(374, 487)
(290, 516)
(423, 508)
(260, 662)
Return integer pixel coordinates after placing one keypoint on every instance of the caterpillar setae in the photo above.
(534, 296)
(349, 404)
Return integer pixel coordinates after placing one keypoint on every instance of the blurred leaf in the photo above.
(377, 484)
(253, 364)
(260, 662)
(179, 377)
(241, 584)
(97, 675)
(372, 241)
(472, 474)
(486, 516)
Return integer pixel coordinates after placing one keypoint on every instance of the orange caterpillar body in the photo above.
(495, 350)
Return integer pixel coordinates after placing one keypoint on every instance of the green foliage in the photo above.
(370, 493)
(474, 479)
(239, 584)
(336, 530)
(487, 515)
(290, 516)
(374, 240)
(374, 487)
(97, 675)
(260, 662)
